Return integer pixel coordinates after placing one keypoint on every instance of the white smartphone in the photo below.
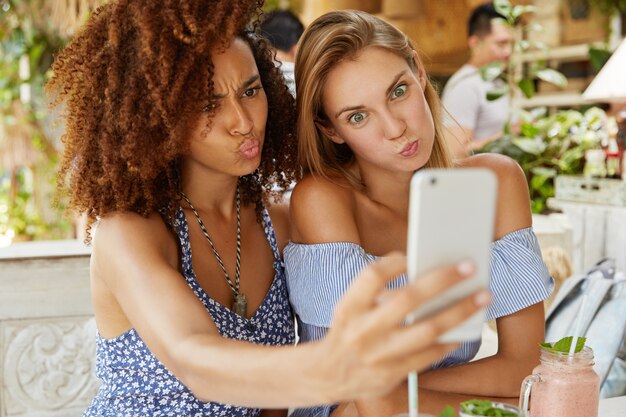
(451, 219)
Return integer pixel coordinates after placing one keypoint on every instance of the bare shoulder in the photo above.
(511, 178)
(513, 204)
(501, 165)
(127, 239)
(323, 211)
(117, 228)
(279, 213)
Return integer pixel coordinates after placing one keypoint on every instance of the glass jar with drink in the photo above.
(563, 384)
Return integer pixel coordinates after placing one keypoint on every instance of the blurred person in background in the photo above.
(476, 121)
(283, 29)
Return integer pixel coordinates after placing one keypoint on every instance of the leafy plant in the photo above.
(19, 217)
(484, 408)
(598, 57)
(518, 81)
(551, 145)
(447, 412)
(26, 53)
(565, 344)
(20, 37)
(610, 6)
(293, 5)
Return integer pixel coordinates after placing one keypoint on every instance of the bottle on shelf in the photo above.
(595, 163)
(613, 159)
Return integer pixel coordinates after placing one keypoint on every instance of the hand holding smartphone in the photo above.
(451, 219)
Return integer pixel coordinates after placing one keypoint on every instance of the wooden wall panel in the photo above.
(402, 8)
(439, 34)
(439, 29)
(370, 6)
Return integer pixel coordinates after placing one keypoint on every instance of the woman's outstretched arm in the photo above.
(366, 353)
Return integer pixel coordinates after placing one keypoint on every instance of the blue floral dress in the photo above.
(136, 383)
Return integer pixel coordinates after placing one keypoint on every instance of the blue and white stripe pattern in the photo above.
(319, 274)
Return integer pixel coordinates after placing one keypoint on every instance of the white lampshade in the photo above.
(610, 83)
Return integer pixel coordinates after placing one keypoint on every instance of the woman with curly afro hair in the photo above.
(178, 130)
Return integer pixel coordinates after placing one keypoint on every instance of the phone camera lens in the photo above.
(433, 181)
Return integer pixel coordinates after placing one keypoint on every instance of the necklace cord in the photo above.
(234, 287)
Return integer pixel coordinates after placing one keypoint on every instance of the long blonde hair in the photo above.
(331, 38)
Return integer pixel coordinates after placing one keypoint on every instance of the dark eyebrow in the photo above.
(250, 81)
(391, 86)
(245, 85)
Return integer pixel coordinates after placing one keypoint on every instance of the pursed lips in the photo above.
(410, 148)
(250, 148)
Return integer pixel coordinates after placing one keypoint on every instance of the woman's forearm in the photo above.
(256, 376)
(500, 375)
(491, 377)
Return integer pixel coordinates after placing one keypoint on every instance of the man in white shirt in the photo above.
(475, 120)
(283, 29)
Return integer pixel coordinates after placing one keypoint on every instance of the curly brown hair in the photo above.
(130, 82)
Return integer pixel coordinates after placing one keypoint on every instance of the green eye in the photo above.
(399, 91)
(356, 118)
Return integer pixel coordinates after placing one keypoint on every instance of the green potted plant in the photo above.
(551, 145)
(27, 45)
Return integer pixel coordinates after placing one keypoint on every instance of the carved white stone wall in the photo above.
(48, 364)
(47, 331)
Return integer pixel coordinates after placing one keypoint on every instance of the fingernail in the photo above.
(465, 268)
(482, 298)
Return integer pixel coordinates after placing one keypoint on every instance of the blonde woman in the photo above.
(368, 118)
